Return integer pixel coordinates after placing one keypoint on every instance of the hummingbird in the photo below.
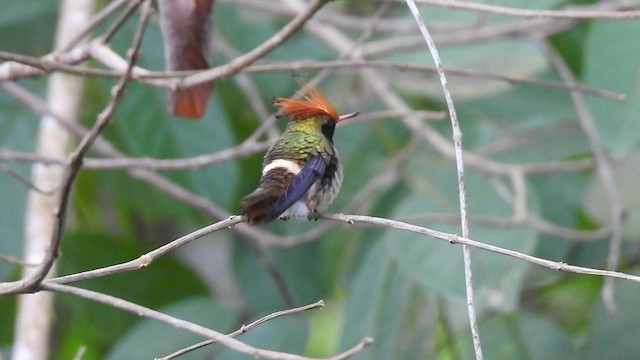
(301, 172)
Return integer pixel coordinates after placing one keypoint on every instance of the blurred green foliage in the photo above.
(404, 290)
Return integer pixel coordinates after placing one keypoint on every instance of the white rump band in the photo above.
(291, 166)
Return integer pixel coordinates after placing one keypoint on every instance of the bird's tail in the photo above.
(257, 206)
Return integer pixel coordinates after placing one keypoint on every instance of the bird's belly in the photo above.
(321, 195)
(298, 210)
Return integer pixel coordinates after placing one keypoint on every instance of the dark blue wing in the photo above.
(312, 171)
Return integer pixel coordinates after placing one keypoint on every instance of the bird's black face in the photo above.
(327, 127)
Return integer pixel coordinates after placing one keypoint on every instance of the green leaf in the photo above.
(596, 200)
(143, 128)
(22, 26)
(568, 301)
(611, 335)
(163, 282)
(18, 127)
(206, 136)
(524, 60)
(522, 336)
(149, 338)
(559, 201)
(8, 313)
(525, 124)
(382, 304)
(570, 45)
(325, 328)
(437, 265)
(611, 63)
(300, 268)
(248, 29)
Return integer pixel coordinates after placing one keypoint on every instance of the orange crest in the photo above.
(313, 104)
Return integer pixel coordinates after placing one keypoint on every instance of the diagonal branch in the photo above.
(223, 339)
(237, 64)
(568, 13)
(245, 328)
(455, 239)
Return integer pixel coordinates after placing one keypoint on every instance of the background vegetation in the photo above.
(534, 185)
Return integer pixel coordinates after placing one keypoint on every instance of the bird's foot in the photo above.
(313, 215)
(284, 218)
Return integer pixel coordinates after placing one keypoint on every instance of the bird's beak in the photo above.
(348, 116)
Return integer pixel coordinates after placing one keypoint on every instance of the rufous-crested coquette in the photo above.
(301, 172)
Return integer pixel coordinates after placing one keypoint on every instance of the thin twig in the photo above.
(246, 84)
(187, 163)
(237, 64)
(225, 340)
(25, 181)
(116, 25)
(530, 13)
(48, 66)
(15, 261)
(190, 163)
(347, 22)
(245, 328)
(467, 73)
(97, 19)
(473, 35)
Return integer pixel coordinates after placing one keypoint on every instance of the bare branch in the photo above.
(148, 258)
(457, 143)
(148, 77)
(245, 328)
(15, 261)
(97, 19)
(467, 73)
(30, 282)
(455, 239)
(189, 163)
(237, 64)
(24, 181)
(569, 13)
(225, 340)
